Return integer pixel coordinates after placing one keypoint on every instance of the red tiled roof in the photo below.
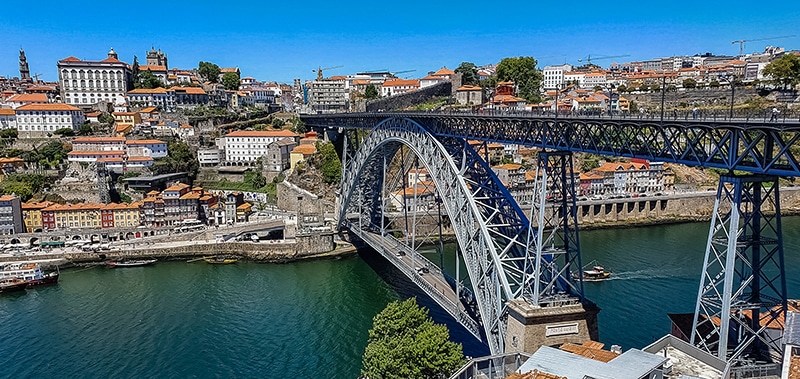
(47, 107)
(265, 133)
(144, 142)
(29, 97)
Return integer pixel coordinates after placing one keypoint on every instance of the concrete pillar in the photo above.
(530, 327)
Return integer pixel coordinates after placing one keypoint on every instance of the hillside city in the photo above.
(211, 145)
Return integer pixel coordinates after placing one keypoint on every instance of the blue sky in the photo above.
(282, 40)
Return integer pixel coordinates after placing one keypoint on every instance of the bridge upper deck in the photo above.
(753, 144)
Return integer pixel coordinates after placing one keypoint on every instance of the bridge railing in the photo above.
(682, 115)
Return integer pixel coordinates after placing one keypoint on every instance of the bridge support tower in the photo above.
(741, 301)
(553, 309)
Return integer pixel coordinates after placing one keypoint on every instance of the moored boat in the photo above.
(8, 285)
(32, 273)
(131, 263)
(220, 260)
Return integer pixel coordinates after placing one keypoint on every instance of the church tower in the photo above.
(24, 71)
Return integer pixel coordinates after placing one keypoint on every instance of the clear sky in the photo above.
(282, 40)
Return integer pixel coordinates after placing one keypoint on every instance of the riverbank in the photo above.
(302, 248)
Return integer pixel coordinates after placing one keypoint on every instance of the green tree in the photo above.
(299, 126)
(329, 163)
(622, 88)
(66, 132)
(106, 118)
(469, 73)
(86, 129)
(231, 81)
(148, 80)
(523, 72)
(784, 71)
(209, 71)
(371, 92)
(136, 71)
(644, 88)
(671, 88)
(634, 107)
(655, 87)
(404, 342)
(254, 178)
(713, 84)
(689, 83)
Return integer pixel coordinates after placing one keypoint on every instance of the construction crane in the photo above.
(589, 58)
(402, 72)
(742, 41)
(320, 70)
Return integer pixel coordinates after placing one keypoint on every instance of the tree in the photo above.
(231, 81)
(66, 132)
(713, 84)
(209, 71)
(86, 129)
(655, 87)
(254, 178)
(148, 80)
(371, 92)
(404, 342)
(329, 163)
(784, 71)
(469, 73)
(689, 83)
(523, 72)
(106, 118)
(644, 88)
(299, 126)
(136, 71)
(622, 88)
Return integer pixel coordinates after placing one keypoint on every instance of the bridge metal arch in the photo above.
(491, 269)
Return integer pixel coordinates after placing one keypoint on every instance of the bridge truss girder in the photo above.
(757, 147)
(743, 286)
(491, 230)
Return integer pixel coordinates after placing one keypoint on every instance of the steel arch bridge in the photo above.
(508, 257)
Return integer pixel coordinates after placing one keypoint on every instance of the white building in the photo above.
(37, 120)
(248, 145)
(594, 79)
(399, 86)
(19, 100)
(210, 157)
(554, 75)
(8, 119)
(575, 77)
(152, 148)
(328, 96)
(84, 83)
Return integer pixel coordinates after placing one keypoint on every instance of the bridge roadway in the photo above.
(746, 144)
(424, 273)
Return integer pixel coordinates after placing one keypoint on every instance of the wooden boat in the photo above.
(131, 263)
(594, 274)
(220, 260)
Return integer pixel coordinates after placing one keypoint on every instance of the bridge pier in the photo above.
(530, 327)
(741, 301)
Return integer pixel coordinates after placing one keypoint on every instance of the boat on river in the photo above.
(131, 263)
(29, 272)
(593, 272)
(8, 285)
(220, 260)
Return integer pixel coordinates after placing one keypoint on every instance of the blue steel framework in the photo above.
(745, 248)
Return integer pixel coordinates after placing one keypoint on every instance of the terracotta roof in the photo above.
(189, 90)
(124, 113)
(401, 83)
(98, 139)
(29, 97)
(35, 205)
(190, 195)
(110, 160)
(535, 374)
(107, 152)
(244, 206)
(153, 68)
(266, 133)
(140, 159)
(591, 350)
(144, 142)
(146, 91)
(93, 113)
(305, 149)
(6, 112)
(444, 71)
(47, 107)
(70, 59)
(223, 70)
(148, 110)
(509, 166)
(469, 88)
(7, 198)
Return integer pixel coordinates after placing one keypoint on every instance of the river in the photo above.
(307, 319)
